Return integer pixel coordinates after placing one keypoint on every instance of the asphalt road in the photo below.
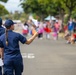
(49, 57)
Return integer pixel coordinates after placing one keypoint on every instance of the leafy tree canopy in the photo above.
(53, 7)
(3, 10)
(3, 0)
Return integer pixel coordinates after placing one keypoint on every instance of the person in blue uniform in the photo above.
(9, 42)
(2, 31)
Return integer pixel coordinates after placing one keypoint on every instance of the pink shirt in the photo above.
(57, 25)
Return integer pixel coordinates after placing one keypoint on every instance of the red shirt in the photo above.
(48, 30)
(74, 35)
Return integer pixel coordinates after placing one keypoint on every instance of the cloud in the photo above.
(13, 5)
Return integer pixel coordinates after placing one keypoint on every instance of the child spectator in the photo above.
(47, 30)
(40, 31)
(25, 29)
(54, 34)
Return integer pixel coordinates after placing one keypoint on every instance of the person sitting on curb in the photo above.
(72, 38)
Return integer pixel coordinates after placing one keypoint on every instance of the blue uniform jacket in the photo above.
(2, 30)
(12, 49)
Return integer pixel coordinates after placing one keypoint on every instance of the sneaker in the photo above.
(68, 42)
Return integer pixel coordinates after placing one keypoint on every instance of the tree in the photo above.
(32, 6)
(70, 5)
(65, 6)
(53, 7)
(4, 1)
(40, 7)
(3, 10)
(48, 6)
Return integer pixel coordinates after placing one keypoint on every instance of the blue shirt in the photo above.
(12, 49)
(71, 26)
(2, 30)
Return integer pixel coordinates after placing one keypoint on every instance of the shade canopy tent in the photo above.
(50, 18)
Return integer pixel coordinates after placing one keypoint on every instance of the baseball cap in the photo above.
(9, 23)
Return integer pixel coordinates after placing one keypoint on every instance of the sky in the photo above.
(12, 5)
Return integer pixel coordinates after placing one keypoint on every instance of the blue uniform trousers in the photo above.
(0, 70)
(13, 66)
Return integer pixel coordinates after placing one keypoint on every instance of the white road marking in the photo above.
(28, 55)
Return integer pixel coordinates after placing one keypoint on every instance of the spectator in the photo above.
(2, 31)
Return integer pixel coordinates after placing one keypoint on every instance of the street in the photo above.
(49, 57)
